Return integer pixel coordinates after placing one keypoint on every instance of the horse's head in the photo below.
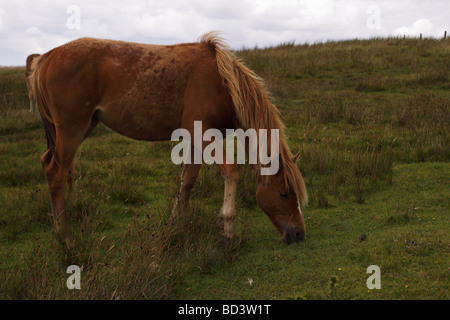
(281, 203)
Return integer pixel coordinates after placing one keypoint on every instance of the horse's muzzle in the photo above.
(293, 234)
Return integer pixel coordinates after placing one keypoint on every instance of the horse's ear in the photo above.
(295, 158)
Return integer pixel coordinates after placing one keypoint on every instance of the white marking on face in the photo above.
(299, 208)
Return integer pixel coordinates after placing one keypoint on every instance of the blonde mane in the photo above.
(254, 109)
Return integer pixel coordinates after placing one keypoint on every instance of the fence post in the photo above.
(420, 36)
(445, 34)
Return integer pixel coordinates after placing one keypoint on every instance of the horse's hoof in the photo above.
(66, 241)
(226, 241)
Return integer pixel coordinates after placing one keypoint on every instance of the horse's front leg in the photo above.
(188, 178)
(227, 214)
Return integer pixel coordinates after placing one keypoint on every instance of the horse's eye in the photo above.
(283, 194)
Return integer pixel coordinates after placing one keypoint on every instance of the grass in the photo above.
(370, 120)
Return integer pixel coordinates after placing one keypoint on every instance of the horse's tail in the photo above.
(252, 105)
(28, 71)
(39, 94)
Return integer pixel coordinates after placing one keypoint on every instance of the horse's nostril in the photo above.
(287, 238)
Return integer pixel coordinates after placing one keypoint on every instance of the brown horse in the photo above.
(147, 91)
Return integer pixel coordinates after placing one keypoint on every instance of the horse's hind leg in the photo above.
(46, 159)
(57, 165)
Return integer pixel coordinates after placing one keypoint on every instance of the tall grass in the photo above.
(152, 253)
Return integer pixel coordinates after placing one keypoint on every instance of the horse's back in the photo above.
(139, 90)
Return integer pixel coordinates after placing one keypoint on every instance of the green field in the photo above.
(371, 121)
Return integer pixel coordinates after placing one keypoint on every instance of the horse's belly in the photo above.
(141, 122)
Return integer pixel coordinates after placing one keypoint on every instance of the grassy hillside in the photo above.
(371, 121)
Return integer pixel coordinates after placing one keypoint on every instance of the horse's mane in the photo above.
(254, 109)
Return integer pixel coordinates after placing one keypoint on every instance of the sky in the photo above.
(37, 26)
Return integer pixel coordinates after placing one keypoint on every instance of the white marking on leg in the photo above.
(228, 210)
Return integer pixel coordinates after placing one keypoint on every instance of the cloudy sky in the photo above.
(36, 26)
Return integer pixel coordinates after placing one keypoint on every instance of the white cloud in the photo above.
(33, 31)
(422, 26)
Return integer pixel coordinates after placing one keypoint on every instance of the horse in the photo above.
(28, 72)
(145, 92)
